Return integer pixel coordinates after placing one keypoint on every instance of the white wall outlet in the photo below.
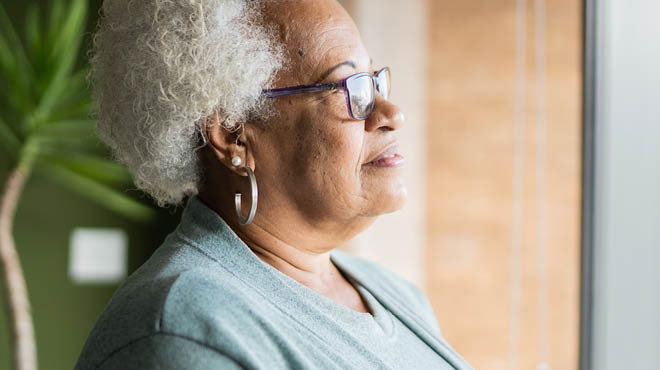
(98, 255)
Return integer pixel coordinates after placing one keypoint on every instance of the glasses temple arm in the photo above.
(303, 89)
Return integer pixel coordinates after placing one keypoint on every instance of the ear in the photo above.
(226, 144)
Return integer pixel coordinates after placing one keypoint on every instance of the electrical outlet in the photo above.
(98, 255)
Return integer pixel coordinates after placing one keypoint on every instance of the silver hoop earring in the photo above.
(253, 205)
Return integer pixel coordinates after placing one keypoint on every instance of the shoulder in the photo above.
(171, 301)
(374, 274)
(200, 298)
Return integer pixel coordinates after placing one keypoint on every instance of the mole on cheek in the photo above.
(301, 52)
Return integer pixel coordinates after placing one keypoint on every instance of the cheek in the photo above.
(325, 164)
(333, 155)
(320, 161)
(344, 160)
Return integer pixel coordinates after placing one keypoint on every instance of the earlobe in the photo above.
(236, 161)
(227, 145)
(244, 155)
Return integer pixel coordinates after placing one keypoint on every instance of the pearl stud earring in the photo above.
(236, 161)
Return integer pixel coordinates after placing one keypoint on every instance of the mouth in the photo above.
(388, 158)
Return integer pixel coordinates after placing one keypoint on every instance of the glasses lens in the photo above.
(383, 83)
(362, 94)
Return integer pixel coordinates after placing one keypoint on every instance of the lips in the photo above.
(390, 157)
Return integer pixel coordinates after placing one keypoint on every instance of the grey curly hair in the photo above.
(161, 67)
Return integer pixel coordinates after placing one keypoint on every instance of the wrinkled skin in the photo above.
(315, 191)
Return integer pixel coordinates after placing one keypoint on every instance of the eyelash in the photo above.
(328, 94)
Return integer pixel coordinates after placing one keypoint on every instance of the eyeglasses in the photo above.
(360, 90)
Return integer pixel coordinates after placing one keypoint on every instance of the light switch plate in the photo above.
(97, 255)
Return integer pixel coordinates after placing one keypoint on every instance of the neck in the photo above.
(298, 251)
(308, 266)
(287, 241)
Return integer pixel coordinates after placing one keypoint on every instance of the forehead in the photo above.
(316, 35)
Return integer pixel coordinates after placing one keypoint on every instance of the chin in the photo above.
(388, 202)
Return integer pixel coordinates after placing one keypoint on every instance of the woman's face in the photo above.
(311, 154)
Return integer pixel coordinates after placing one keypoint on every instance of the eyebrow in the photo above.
(332, 69)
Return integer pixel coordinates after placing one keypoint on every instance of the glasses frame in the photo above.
(342, 84)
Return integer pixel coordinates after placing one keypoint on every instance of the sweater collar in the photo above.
(206, 230)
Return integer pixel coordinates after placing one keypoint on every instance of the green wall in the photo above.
(64, 312)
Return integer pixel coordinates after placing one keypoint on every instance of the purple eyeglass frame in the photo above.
(342, 84)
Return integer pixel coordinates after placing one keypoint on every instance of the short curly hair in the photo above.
(161, 67)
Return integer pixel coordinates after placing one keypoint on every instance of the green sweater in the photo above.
(205, 301)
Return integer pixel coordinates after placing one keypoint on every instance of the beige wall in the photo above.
(470, 161)
(395, 34)
(453, 68)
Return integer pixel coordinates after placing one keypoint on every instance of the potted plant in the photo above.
(46, 125)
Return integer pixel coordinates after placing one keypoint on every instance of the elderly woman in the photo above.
(269, 117)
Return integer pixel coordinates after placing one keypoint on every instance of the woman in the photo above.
(267, 114)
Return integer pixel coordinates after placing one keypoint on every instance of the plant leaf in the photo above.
(56, 13)
(76, 92)
(7, 59)
(74, 129)
(101, 194)
(63, 55)
(10, 143)
(70, 29)
(93, 167)
(66, 145)
(20, 71)
(82, 108)
(33, 32)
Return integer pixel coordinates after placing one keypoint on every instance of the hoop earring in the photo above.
(253, 205)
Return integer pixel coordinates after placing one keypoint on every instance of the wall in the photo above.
(455, 236)
(627, 205)
(395, 34)
(472, 267)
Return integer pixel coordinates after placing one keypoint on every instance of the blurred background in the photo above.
(533, 170)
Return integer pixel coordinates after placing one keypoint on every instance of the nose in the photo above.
(385, 116)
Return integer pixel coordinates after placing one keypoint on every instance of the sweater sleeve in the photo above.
(167, 352)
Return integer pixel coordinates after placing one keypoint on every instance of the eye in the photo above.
(327, 94)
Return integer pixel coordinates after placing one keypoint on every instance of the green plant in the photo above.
(46, 125)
